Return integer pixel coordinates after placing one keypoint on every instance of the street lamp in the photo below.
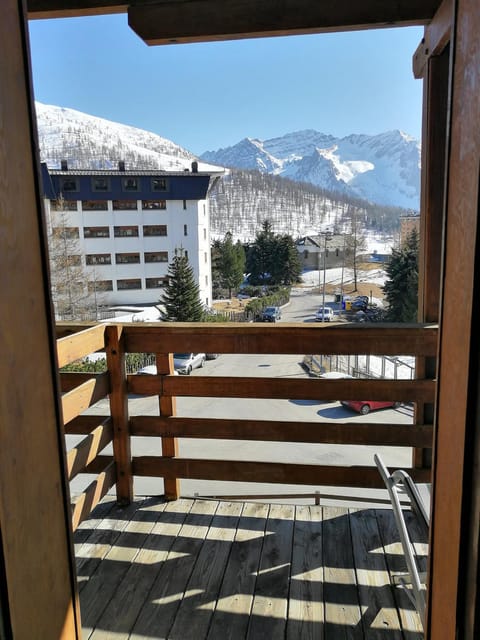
(327, 236)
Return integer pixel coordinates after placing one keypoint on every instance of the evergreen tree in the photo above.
(182, 296)
(286, 268)
(401, 288)
(261, 255)
(229, 262)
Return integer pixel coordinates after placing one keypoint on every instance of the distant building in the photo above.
(127, 225)
(315, 252)
(408, 223)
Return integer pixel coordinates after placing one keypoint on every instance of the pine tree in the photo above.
(401, 288)
(286, 268)
(229, 263)
(261, 255)
(182, 295)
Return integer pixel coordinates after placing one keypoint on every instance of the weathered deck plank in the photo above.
(214, 570)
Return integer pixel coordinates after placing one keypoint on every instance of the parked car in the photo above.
(365, 406)
(360, 303)
(150, 370)
(184, 363)
(271, 314)
(324, 314)
(211, 356)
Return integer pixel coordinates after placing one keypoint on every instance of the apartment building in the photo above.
(126, 225)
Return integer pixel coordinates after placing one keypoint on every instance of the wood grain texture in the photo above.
(276, 472)
(191, 21)
(301, 338)
(87, 449)
(79, 345)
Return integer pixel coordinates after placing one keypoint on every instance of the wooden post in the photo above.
(168, 407)
(37, 568)
(115, 351)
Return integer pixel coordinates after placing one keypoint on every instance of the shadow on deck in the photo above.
(216, 569)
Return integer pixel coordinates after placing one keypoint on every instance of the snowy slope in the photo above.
(88, 142)
(384, 168)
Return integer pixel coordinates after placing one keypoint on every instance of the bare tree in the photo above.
(70, 285)
(355, 243)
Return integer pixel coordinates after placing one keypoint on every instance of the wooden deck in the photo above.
(215, 569)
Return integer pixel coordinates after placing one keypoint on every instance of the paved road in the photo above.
(301, 308)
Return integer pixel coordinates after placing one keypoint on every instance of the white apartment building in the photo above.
(126, 225)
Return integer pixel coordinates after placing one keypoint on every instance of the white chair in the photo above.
(399, 483)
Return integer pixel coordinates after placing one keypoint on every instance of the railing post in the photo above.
(115, 351)
(168, 407)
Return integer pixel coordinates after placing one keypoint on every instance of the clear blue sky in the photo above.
(207, 96)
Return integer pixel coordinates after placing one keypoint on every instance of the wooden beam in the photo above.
(38, 571)
(316, 14)
(437, 36)
(210, 20)
(282, 388)
(88, 500)
(48, 9)
(300, 338)
(81, 397)
(276, 472)
(87, 449)
(115, 349)
(79, 345)
(457, 417)
(85, 424)
(168, 408)
(399, 435)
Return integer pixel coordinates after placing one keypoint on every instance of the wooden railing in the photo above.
(83, 390)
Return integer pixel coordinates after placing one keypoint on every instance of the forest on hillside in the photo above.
(243, 199)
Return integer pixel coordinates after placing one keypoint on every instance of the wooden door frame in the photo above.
(39, 581)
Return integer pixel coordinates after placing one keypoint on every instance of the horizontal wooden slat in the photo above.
(275, 472)
(209, 20)
(73, 8)
(286, 388)
(315, 432)
(70, 380)
(92, 495)
(86, 424)
(295, 338)
(79, 345)
(81, 397)
(88, 449)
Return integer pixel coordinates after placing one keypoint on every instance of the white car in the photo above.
(324, 314)
(184, 363)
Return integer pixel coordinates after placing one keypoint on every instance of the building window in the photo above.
(305, 254)
(159, 184)
(125, 232)
(100, 183)
(154, 204)
(185, 253)
(156, 283)
(185, 230)
(96, 232)
(205, 256)
(95, 205)
(66, 233)
(100, 285)
(337, 252)
(72, 260)
(184, 204)
(124, 205)
(156, 256)
(131, 184)
(127, 258)
(205, 234)
(206, 281)
(63, 205)
(155, 230)
(98, 258)
(131, 283)
(69, 184)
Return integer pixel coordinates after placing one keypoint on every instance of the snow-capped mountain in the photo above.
(384, 169)
(88, 142)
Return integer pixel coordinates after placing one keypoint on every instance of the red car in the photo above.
(365, 406)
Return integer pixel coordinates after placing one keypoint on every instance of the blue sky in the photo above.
(207, 96)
